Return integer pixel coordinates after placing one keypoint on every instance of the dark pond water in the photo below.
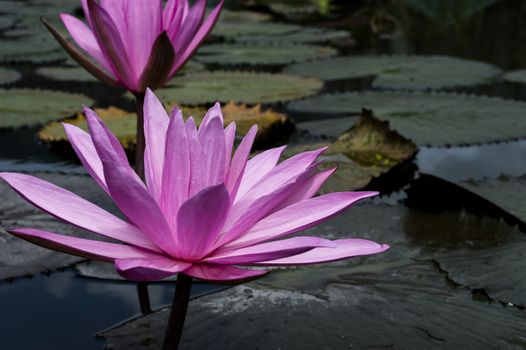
(62, 311)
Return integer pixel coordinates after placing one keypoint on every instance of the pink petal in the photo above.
(107, 145)
(190, 26)
(197, 38)
(230, 137)
(218, 273)
(144, 24)
(138, 205)
(299, 216)
(257, 168)
(239, 161)
(112, 46)
(86, 40)
(268, 251)
(150, 268)
(155, 127)
(214, 112)
(199, 220)
(85, 150)
(75, 210)
(306, 190)
(346, 248)
(197, 164)
(176, 173)
(173, 17)
(212, 140)
(86, 248)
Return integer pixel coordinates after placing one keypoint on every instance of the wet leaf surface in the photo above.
(261, 54)
(19, 258)
(8, 76)
(303, 36)
(230, 30)
(242, 87)
(401, 72)
(428, 119)
(399, 299)
(46, 105)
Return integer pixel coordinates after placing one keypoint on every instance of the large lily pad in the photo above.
(303, 36)
(435, 119)
(228, 16)
(387, 300)
(273, 126)
(231, 30)
(66, 74)
(30, 51)
(242, 87)
(8, 76)
(261, 54)
(401, 72)
(20, 258)
(365, 154)
(24, 107)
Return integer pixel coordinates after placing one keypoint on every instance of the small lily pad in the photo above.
(30, 51)
(241, 87)
(306, 35)
(19, 258)
(516, 76)
(229, 16)
(24, 107)
(8, 76)
(231, 30)
(66, 74)
(261, 54)
(273, 126)
(434, 119)
(401, 72)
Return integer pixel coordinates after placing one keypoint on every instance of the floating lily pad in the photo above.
(436, 119)
(364, 153)
(273, 126)
(231, 30)
(516, 76)
(24, 107)
(303, 36)
(228, 16)
(401, 72)
(66, 74)
(20, 258)
(6, 21)
(30, 51)
(8, 76)
(261, 54)
(243, 87)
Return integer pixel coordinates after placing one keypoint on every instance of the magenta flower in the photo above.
(135, 43)
(201, 211)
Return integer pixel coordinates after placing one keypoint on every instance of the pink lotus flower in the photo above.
(201, 211)
(135, 42)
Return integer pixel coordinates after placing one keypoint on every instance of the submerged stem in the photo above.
(174, 328)
(140, 144)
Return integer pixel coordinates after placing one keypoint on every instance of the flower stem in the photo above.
(144, 298)
(140, 144)
(174, 329)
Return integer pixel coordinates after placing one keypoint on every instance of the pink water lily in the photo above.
(201, 211)
(136, 43)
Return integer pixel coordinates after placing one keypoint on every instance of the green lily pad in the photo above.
(231, 30)
(306, 35)
(313, 304)
(516, 76)
(229, 16)
(261, 54)
(8, 76)
(436, 119)
(273, 127)
(366, 153)
(401, 72)
(19, 258)
(24, 107)
(242, 87)
(6, 21)
(30, 51)
(77, 74)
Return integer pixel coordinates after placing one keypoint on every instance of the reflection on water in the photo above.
(474, 162)
(63, 312)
